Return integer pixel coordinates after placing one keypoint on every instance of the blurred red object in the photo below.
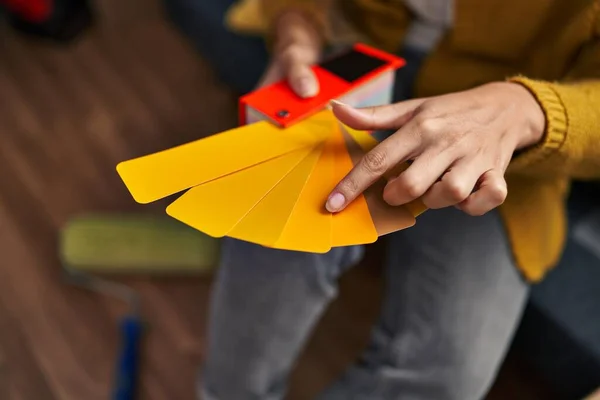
(59, 20)
(31, 10)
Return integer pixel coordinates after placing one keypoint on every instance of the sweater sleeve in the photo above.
(571, 144)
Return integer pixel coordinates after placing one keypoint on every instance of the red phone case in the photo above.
(277, 102)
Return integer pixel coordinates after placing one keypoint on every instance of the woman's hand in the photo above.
(460, 146)
(297, 47)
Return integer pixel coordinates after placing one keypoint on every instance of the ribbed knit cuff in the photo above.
(556, 123)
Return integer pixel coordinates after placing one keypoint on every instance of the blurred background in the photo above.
(128, 85)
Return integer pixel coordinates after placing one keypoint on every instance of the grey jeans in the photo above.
(453, 300)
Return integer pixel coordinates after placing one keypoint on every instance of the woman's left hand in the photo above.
(460, 145)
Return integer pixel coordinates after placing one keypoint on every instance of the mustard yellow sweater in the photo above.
(550, 46)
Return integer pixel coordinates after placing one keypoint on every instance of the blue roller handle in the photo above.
(125, 385)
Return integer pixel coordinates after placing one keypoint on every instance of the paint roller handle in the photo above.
(131, 331)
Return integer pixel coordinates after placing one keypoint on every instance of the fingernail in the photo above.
(306, 87)
(334, 102)
(335, 202)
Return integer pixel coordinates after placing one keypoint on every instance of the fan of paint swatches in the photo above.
(267, 185)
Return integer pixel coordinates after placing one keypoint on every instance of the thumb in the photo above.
(302, 79)
(390, 116)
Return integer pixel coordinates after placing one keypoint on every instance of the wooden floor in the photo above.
(67, 116)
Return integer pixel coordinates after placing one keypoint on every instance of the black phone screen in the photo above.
(352, 65)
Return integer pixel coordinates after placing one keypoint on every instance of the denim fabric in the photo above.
(453, 300)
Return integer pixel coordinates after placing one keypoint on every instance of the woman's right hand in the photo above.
(297, 46)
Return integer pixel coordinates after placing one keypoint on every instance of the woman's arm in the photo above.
(463, 143)
(571, 141)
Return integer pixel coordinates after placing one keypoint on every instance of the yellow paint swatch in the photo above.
(217, 206)
(353, 225)
(265, 222)
(161, 174)
(309, 226)
(267, 185)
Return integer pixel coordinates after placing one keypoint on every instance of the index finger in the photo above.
(388, 116)
(386, 155)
